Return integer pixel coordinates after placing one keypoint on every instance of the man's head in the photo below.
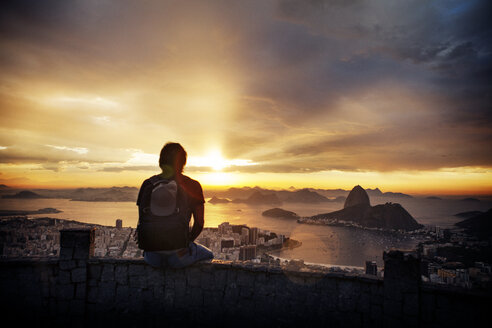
(172, 158)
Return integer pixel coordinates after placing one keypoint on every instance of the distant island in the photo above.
(358, 212)
(25, 194)
(216, 200)
(47, 210)
(260, 198)
(280, 213)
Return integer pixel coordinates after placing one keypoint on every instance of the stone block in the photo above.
(364, 303)
(106, 292)
(92, 294)
(64, 277)
(155, 277)
(347, 289)
(443, 302)
(107, 273)
(79, 275)
(196, 297)
(95, 271)
(138, 281)
(121, 274)
(346, 304)
(80, 253)
(76, 308)
(193, 275)
(65, 292)
(207, 281)
(136, 270)
(411, 304)
(169, 298)
(66, 253)
(122, 294)
(392, 308)
(67, 264)
(80, 291)
(220, 279)
(245, 279)
(376, 312)
(427, 307)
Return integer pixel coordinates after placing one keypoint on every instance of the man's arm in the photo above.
(198, 222)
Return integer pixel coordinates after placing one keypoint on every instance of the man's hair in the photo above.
(172, 156)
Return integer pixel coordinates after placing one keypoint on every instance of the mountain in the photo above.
(479, 225)
(356, 197)
(113, 194)
(258, 198)
(374, 192)
(469, 214)
(305, 196)
(47, 210)
(280, 213)
(396, 195)
(25, 194)
(216, 200)
(357, 209)
(470, 199)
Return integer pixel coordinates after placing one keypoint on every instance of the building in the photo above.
(247, 252)
(371, 268)
(224, 228)
(226, 243)
(244, 236)
(119, 224)
(253, 236)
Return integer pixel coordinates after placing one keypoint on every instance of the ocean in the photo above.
(342, 246)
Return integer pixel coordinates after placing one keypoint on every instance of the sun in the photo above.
(213, 160)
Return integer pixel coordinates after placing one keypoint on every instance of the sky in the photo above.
(324, 94)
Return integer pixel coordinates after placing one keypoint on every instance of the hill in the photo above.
(479, 225)
(25, 194)
(216, 200)
(280, 213)
(357, 210)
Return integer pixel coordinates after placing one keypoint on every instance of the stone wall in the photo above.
(80, 290)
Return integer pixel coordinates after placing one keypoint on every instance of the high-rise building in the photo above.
(253, 236)
(224, 228)
(244, 236)
(226, 243)
(371, 268)
(247, 252)
(119, 224)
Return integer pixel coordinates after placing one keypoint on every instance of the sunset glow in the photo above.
(268, 93)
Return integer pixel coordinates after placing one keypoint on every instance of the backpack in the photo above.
(162, 223)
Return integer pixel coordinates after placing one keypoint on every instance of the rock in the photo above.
(216, 200)
(479, 225)
(280, 213)
(25, 194)
(358, 196)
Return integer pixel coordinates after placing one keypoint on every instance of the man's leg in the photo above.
(194, 253)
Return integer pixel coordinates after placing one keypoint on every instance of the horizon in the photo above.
(215, 188)
(274, 93)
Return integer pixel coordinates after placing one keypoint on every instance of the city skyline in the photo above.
(319, 94)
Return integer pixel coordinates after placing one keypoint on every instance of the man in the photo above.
(165, 237)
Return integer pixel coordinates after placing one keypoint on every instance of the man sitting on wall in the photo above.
(166, 203)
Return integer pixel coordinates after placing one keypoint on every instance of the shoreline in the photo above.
(342, 267)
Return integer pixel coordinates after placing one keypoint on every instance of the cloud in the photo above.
(294, 86)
